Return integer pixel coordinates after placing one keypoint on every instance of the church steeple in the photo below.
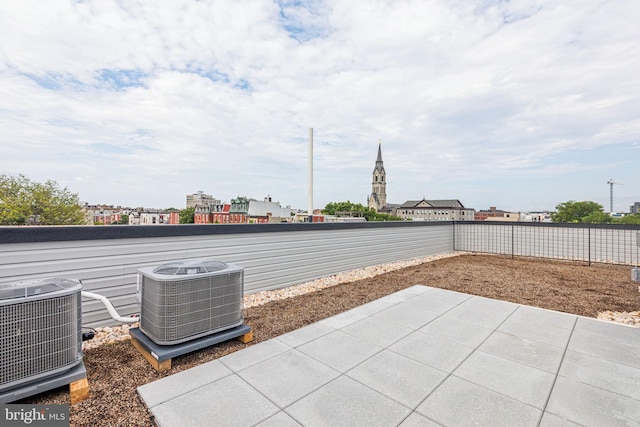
(378, 197)
(379, 167)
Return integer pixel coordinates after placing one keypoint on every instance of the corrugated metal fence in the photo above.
(273, 255)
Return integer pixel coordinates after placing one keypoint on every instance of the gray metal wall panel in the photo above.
(271, 260)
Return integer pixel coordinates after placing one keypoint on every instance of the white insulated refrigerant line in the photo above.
(110, 308)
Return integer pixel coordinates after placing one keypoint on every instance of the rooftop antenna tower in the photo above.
(610, 182)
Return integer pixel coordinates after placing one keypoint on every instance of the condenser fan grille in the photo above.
(38, 338)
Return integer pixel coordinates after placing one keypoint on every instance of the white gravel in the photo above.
(631, 318)
(265, 297)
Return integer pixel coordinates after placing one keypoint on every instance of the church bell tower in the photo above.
(378, 197)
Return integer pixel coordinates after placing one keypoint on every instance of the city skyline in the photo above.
(519, 106)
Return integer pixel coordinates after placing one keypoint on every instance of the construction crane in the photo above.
(610, 182)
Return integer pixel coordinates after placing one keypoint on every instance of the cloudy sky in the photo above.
(520, 105)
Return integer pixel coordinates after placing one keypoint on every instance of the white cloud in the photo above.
(139, 103)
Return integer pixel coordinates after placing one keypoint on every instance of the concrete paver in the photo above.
(346, 402)
(398, 377)
(524, 383)
(339, 350)
(593, 406)
(255, 354)
(288, 377)
(422, 356)
(532, 353)
(437, 352)
(458, 402)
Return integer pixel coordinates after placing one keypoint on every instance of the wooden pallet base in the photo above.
(165, 365)
(79, 390)
(248, 337)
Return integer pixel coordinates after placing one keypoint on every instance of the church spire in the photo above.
(379, 166)
(378, 197)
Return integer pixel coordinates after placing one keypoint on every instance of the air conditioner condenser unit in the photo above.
(40, 332)
(188, 299)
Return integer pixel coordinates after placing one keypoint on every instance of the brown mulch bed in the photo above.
(114, 371)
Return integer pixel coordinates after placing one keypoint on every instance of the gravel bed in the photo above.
(115, 369)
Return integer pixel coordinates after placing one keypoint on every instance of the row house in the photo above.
(103, 214)
(253, 211)
(154, 217)
(267, 210)
(212, 214)
(239, 211)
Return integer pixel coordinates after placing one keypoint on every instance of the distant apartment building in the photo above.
(536, 217)
(269, 211)
(635, 208)
(258, 212)
(434, 210)
(153, 217)
(104, 214)
(201, 199)
(493, 214)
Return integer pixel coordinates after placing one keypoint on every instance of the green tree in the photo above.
(384, 217)
(186, 215)
(333, 207)
(124, 219)
(14, 208)
(572, 211)
(597, 218)
(357, 209)
(23, 201)
(628, 219)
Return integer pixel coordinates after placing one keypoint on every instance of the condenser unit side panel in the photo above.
(227, 301)
(39, 337)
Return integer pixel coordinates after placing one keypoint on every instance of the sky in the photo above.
(520, 105)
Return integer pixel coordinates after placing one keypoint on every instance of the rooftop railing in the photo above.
(106, 258)
(590, 243)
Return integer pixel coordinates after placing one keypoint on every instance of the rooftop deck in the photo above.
(423, 356)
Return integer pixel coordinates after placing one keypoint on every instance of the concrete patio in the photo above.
(420, 357)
